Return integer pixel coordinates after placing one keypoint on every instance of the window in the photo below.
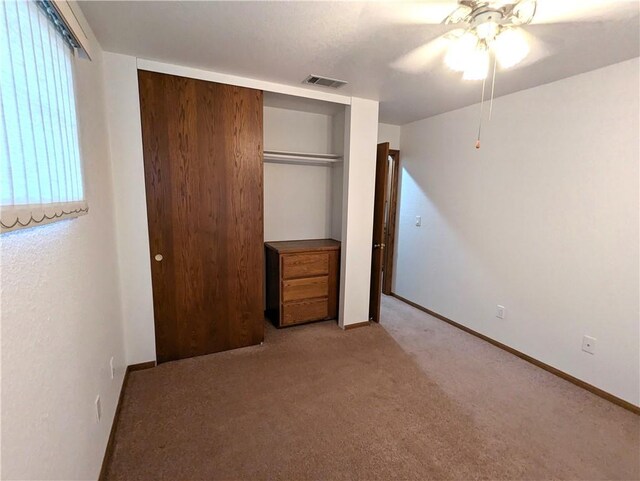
(40, 166)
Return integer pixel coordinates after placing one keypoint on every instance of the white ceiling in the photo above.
(359, 42)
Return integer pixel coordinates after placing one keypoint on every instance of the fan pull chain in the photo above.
(493, 86)
(484, 81)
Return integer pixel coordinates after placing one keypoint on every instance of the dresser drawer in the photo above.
(300, 289)
(305, 265)
(305, 311)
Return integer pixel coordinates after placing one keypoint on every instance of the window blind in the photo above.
(40, 167)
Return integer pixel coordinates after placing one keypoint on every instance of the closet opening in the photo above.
(303, 205)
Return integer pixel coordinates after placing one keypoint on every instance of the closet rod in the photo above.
(301, 157)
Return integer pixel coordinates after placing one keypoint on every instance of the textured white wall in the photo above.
(389, 133)
(543, 219)
(297, 131)
(361, 130)
(297, 202)
(123, 114)
(337, 177)
(297, 198)
(61, 320)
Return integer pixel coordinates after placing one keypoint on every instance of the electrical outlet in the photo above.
(589, 344)
(501, 312)
(111, 367)
(418, 221)
(98, 409)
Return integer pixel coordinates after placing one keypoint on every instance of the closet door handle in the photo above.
(158, 257)
(380, 246)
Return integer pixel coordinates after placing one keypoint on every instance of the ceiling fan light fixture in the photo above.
(477, 64)
(510, 47)
(461, 51)
(460, 14)
(487, 30)
(524, 12)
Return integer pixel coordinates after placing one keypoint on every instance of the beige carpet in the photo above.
(319, 403)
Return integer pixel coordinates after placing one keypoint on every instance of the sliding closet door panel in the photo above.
(155, 142)
(203, 168)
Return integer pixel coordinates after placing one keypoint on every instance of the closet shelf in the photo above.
(303, 158)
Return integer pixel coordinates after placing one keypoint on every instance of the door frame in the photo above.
(390, 238)
(377, 234)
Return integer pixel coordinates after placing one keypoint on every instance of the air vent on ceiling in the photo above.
(324, 81)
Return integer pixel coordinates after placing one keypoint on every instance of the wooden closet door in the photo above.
(203, 166)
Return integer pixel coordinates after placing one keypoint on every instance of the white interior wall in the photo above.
(543, 220)
(134, 261)
(297, 202)
(361, 126)
(337, 176)
(297, 198)
(297, 131)
(389, 133)
(61, 318)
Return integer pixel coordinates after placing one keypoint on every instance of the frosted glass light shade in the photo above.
(487, 30)
(477, 65)
(461, 51)
(510, 47)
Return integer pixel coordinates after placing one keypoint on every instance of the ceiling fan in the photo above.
(485, 34)
(503, 29)
(486, 28)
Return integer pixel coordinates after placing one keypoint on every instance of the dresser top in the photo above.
(284, 247)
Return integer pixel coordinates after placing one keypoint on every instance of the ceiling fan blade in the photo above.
(430, 12)
(538, 50)
(554, 11)
(418, 59)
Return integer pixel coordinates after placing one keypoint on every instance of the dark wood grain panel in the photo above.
(203, 169)
(158, 173)
(378, 231)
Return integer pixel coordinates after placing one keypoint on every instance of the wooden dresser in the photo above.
(302, 280)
